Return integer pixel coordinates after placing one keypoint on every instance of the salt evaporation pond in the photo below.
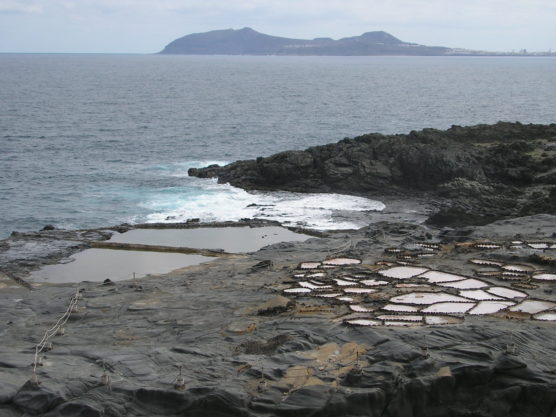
(490, 307)
(118, 265)
(99, 264)
(230, 239)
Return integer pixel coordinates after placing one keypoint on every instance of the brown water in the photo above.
(230, 239)
(118, 265)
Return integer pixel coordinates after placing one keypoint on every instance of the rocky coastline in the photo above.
(223, 338)
(254, 334)
(475, 175)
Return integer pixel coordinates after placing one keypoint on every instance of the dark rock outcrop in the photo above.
(478, 174)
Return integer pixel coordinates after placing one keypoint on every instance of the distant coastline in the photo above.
(247, 41)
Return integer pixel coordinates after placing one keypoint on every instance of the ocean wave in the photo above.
(207, 200)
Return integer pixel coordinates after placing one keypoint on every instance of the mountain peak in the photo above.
(380, 36)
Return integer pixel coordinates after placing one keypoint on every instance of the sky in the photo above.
(146, 26)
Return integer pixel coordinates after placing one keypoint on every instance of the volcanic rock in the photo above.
(475, 174)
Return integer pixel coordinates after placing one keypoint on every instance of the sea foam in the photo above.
(207, 200)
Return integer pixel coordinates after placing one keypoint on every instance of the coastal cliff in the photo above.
(475, 174)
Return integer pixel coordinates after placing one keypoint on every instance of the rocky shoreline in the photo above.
(475, 174)
(244, 347)
(316, 327)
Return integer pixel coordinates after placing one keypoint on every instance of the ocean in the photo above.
(96, 140)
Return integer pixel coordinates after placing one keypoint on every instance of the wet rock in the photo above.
(7, 392)
(305, 401)
(370, 402)
(159, 400)
(218, 403)
(35, 399)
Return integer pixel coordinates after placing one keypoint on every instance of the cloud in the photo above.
(145, 25)
(17, 7)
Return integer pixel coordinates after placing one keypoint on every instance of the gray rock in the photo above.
(34, 399)
(76, 409)
(7, 392)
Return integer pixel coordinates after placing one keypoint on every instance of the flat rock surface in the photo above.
(223, 338)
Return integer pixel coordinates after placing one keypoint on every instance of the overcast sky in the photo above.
(146, 26)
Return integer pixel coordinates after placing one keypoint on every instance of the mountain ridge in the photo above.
(247, 41)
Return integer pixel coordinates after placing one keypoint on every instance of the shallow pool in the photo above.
(118, 265)
(230, 239)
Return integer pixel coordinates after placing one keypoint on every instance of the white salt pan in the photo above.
(439, 276)
(533, 306)
(485, 262)
(487, 246)
(539, 245)
(395, 317)
(490, 307)
(517, 268)
(426, 298)
(545, 277)
(402, 272)
(297, 290)
(400, 308)
(449, 308)
(373, 282)
(506, 292)
(478, 295)
(402, 323)
(306, 284)
(309, 265)
(316, 275)
(341, 261)
(359, 290)
(548, 316)
(432, 320)
(466, 284)
(329, 295)
(364, 322)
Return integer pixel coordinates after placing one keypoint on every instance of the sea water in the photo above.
(94, 140)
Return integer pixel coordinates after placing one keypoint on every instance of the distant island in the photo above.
(247, 41)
